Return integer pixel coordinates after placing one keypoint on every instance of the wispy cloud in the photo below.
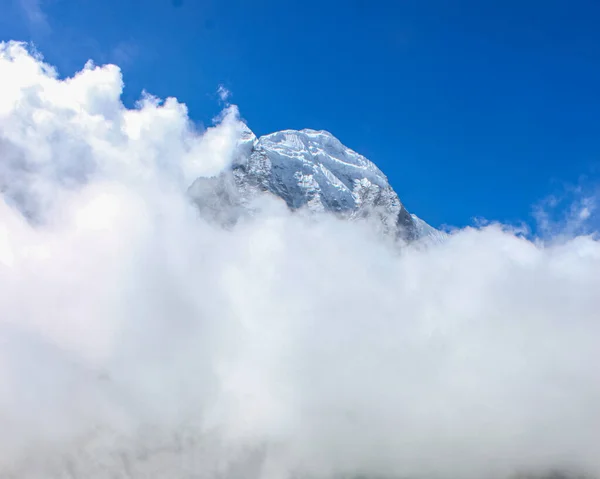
(224, 93)
(35, 15)
(124, 53)
(572, 212)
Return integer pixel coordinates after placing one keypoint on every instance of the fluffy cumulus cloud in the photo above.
(138, 340)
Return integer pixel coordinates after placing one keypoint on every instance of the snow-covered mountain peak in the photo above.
(308, 169)
(320, 146)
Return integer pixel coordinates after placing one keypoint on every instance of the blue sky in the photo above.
(472, 108)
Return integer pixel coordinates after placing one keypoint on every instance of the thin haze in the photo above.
(140, 341)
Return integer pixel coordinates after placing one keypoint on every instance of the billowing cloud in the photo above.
(140, 341)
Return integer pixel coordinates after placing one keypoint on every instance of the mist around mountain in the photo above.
(278, 318)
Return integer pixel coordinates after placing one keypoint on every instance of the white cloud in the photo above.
(224, 93)
(139, 340)
(572, 213)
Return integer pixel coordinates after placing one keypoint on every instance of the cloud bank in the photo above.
(138, 340)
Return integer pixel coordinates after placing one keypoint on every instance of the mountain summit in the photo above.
(308, 169)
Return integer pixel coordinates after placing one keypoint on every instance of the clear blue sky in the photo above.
(472, 108)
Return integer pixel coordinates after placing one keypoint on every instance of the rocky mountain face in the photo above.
(311, 170)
